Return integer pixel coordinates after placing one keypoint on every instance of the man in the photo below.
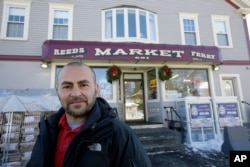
(85, 132)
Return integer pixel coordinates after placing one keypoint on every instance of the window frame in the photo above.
(21, 4)
(126, 37)
(190, 16)
(225, 19)
(61, 7)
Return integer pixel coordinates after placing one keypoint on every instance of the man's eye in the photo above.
(66, 87)
(83, 85)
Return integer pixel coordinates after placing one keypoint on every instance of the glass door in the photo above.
(134, 98)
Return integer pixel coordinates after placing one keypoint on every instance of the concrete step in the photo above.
(159, 139)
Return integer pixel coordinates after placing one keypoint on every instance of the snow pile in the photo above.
(209, 146)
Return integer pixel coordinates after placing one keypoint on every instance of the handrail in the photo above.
(245, 102)
(173, 110)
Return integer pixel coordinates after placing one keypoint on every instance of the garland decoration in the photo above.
(165, 73)
(113, 73)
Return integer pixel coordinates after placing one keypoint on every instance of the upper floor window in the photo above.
(221, 28)
(130, 24)
(15, 20)
(189, 29)
(60, 21)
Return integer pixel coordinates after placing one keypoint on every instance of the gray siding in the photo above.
(87, 23)
(23, 75)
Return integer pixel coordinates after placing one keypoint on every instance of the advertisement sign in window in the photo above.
(228, 114)
(200, 115)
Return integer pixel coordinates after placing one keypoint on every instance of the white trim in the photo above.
(22, 4)
(225, 19)
(191, 16)
(59, 6)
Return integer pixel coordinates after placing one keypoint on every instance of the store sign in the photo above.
(57, 49)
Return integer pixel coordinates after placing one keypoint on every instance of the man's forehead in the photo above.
(71, 71)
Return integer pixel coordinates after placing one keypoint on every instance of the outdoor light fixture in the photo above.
(216, 67)
(44, 64)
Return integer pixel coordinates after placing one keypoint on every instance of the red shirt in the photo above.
(65, 136)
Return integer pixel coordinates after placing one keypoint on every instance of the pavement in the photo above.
(189, 158)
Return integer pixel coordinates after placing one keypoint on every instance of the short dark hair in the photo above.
(76, 63)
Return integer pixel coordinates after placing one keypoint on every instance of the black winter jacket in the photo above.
(103, 142)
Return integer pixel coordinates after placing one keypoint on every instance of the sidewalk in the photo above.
(190, 158)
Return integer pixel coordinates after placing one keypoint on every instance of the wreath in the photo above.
(165, 73)
(113, 73)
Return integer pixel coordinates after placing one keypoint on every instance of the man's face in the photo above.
(77, 91)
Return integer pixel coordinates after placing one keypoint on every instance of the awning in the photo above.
(91, 50)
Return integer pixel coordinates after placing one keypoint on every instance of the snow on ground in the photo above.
(205, 149)
(211, 145)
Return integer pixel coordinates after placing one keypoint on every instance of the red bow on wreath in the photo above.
(165, 69)
(165, 73)
(114, 70)
(113, 73)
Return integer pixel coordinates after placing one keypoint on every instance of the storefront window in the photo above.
(152, 85)
(106, 88)
(187, 82)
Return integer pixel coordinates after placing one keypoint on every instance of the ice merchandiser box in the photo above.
(198, 117)
(227, 113)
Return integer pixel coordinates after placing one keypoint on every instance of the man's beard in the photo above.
(79, 113)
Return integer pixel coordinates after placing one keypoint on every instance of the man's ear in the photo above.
(97, 87)
(57, 90)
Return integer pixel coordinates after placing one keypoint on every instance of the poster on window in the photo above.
(228, 114)
(200, 115)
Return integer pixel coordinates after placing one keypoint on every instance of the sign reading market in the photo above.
(58, 49)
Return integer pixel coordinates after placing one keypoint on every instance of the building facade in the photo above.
(143, 42)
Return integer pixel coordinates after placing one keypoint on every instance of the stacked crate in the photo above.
(29, 132)
(18, 133)
(10, 138)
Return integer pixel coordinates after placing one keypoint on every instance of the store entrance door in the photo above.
(134, 97)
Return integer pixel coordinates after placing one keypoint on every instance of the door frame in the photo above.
(143, 98)
(237, 90)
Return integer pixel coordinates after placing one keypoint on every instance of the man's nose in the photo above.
(75, 91)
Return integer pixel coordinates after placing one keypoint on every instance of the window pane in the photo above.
(15, 25)
(143, 25)
(15, 30)
(152, 27)
(106, 89)
(131, 23)
(108, 24)
(60, 28)
(220, 27)
(222, 40)
(60, 32)
(152, 84)
(190, 38)
(187, 82)
(120, 23)
(228, 87)
(188, 25)
(61, 17)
